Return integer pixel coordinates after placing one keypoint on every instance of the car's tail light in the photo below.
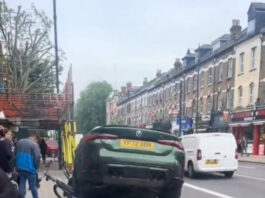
(171, 143)
(199, 154)
(100, 137)
(236, 154)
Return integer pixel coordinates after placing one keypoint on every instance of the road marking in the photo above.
(249, 167)
(207, 191)
(250, 177)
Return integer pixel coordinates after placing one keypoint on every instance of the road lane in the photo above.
(249, 181)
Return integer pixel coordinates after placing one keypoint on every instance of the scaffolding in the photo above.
(42, 111)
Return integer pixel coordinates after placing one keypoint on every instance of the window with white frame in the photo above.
(219, 101)
(210, 76)
(229, 99)
(220, 72)
(253, 57)
(201, 106)
(240, 95)
(241, 63)
(251, 93)
(194, 82)
(194, 108)
(188, 85)
(202, 79)
(229, 68)
(209, 104)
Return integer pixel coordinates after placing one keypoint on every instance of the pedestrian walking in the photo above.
(244, 146)
(43, 149)
(27, 163)
(239, 146)
(6, 155)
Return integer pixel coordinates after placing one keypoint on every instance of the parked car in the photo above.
(129, 158)
(52, 148)
(210, 152)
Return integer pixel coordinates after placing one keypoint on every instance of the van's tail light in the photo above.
(100, 137)
(236, 154)
(171, 143)
(199, 154)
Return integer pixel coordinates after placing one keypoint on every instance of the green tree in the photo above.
(116, 121)
(27, 49)
(91, 106)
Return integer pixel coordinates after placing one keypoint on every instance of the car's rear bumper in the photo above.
(139, 176)
(217, 169)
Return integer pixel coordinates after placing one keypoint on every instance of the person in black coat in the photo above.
(7, 189)
(43, 149)
(6, 155)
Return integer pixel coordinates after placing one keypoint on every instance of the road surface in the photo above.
(248, 182)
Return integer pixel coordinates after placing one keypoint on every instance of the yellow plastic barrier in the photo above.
(69, 142)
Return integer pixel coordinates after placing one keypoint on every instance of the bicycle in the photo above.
(65, 188)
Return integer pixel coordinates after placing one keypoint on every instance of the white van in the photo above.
(210, 152)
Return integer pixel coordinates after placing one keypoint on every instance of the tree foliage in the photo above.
(91, 106)
(116, 121)
(27, 49)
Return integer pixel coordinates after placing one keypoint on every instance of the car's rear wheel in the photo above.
(229, 174)
(174, 192)
(191, 172)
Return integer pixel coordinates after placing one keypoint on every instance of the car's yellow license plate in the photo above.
(211, 162)
(136, 144)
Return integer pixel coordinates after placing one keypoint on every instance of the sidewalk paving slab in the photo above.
(252, 158)
(46, 187)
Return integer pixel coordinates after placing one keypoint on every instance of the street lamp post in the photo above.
(180, 108)
(57, 78)
(197, 96)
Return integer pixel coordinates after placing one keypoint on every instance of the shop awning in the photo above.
(259, 122)
(240, 124)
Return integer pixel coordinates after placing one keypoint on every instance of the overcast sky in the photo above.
(127, 40)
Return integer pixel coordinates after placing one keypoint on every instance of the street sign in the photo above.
(186, 123)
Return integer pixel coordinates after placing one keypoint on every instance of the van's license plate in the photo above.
(211, 162)
(136, 144)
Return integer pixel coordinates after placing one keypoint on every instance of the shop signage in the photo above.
(242, 116)
(206, 117)
(248, 119)
(260, 114)
(226, 117)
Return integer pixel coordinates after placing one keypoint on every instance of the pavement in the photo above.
(248, 181)
(252, 158)
(46, 187)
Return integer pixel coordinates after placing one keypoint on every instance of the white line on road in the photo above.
(250, 177)
(249, 167)
(207, 191)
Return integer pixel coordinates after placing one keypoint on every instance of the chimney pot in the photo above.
(235, 29)
(158, 73)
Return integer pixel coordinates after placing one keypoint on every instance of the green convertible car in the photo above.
(119, 157)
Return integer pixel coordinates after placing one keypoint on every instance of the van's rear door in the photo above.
(218, 150)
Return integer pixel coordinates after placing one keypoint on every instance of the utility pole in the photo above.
(213, 102)
(198, 88)
(180, 108)
(56, 46)
(57, 78)
(197, 97)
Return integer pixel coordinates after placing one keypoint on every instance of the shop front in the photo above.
(248, 127)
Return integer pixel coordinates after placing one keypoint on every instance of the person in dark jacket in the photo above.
(6, 155)
(43, 149)
(7, 189)
(27, 162)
